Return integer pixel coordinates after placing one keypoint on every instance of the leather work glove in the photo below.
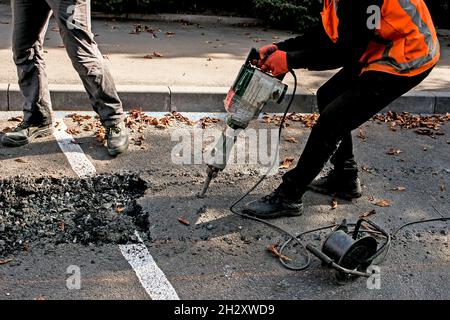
(276, 63)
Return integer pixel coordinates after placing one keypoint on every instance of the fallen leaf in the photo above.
(20, 160)
(3, 262)
(292, 140)
(73, 131)
(362, 135)
(443, 188)
(184, 221)
(40, 298)
(366, 169)
(393, 152)
(273, 250)
(61, 225)
(157, 54)
(100, 135)
(286, 164)
(334, 204)
(120, 210)
(368, 214)
(382, 203)
(149, 56)
(16, 119)
(400, 189)
(170, 34)
(7, 130)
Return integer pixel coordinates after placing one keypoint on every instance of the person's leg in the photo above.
(367, 96)
(30, 21)
(74, 20)
(343, 158)
(370, 94)
(342, 181)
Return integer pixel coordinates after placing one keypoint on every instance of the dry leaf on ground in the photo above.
(184, 221)
(400, 189)
(393, 152)
(292, 140)
(3, 262)
(368, 214)
(382, 203)
(273, 250)
(287, 163)
(334, 204)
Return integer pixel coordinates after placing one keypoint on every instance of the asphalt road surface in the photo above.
(222, 256)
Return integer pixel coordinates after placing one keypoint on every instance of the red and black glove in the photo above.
(276, 63)
(266, 51)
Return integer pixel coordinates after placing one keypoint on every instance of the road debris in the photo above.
(425, 125)
(274, 251)
(400, 189)
(184, 221)
(69, 210)
(368, 214)
(287, 163)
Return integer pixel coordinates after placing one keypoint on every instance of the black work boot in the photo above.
(275, 205)
(342, 184)
(25, 133)
(117, 139)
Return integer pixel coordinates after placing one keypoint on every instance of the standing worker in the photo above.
(385, 49)
(30, 23)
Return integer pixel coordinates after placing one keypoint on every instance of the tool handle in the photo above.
(319, 254)
(253, 55)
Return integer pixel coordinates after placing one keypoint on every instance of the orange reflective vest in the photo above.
(406, 42)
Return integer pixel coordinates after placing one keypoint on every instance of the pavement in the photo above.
(219, 255)
(197, 61)
(216, 255)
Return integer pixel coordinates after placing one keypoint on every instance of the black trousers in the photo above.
(345, 102)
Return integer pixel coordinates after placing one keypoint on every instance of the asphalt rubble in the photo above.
(48, 211)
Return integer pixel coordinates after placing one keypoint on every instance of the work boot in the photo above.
(25, 133)
(117, 139)
(275, 205)
(344, 185)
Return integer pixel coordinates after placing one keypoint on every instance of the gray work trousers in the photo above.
(30, 23)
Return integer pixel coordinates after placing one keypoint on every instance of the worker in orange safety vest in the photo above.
(384, 49)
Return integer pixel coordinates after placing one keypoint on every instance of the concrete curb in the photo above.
(205, 99)
(190, 18)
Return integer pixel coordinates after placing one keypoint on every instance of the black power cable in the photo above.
(297, 238)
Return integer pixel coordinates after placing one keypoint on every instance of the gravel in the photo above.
(50, 211)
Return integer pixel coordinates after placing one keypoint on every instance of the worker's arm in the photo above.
(321, 53)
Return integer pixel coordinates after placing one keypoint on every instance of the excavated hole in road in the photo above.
(50, 211)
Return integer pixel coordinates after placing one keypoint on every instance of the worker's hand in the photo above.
(276, 63)
(266, 51)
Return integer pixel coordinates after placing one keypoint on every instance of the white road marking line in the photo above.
(73, 152)
(149, 274)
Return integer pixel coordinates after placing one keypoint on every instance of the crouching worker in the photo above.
(385, 49)
(30, 22)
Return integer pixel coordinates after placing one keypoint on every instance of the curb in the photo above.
(205, 99)
(189, 18)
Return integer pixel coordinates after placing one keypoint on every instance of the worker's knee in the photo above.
(25, 55)
(323, 98)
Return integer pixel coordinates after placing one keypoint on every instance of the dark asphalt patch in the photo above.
(51, 211)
